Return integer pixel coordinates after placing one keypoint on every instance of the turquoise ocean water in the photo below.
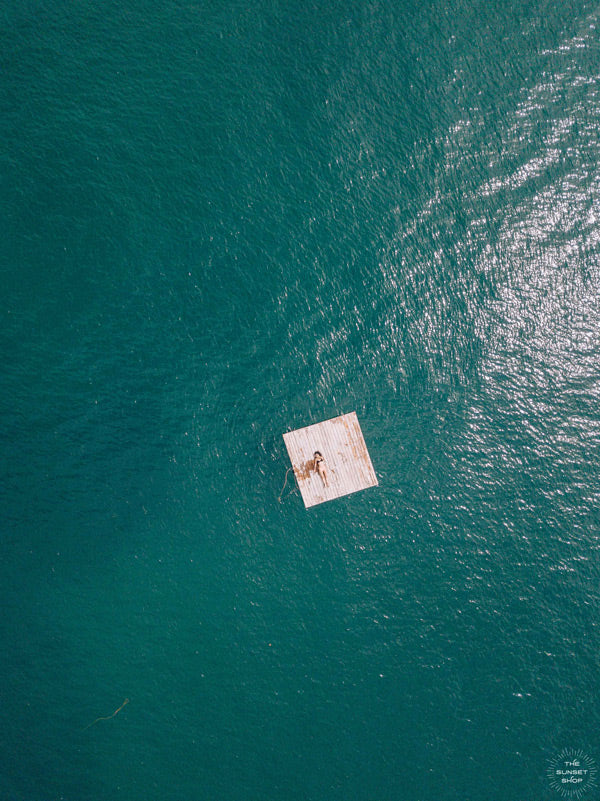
(220, 222)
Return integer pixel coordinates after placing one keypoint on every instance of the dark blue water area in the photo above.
(224, 222)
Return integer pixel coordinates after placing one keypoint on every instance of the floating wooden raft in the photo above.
(341, 443)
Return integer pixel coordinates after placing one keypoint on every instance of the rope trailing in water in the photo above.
(285, 482)
(108, 717)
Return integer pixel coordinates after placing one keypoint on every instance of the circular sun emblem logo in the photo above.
(572, 773)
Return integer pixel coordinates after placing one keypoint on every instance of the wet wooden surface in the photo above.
(347, 460)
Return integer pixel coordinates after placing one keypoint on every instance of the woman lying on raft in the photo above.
(321, 467)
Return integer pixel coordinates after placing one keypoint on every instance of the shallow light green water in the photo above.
(225, 221)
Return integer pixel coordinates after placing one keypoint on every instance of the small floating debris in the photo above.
(330, 459)
(107, 717)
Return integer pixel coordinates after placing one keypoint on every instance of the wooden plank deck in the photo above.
(347, 460)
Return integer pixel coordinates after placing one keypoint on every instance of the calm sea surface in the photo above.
(220, 222)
